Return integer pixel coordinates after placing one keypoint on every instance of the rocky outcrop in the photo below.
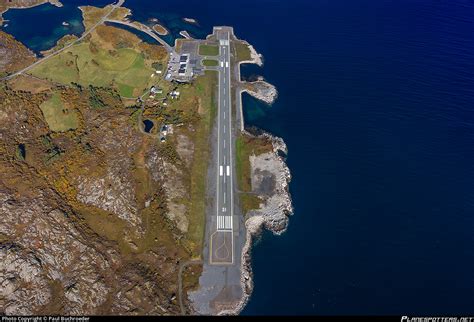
(46, 249)
(13, 54)
(18, 268)
(261, 90)
(190, 20)
(277, 206)
(255, 57)
(273, 212)
(185, 34)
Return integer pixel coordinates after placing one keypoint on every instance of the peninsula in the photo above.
(129, 182)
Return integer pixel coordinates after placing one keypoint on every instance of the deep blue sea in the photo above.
(376, 104)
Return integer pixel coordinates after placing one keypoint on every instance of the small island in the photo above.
(190, 20)
(160, 30)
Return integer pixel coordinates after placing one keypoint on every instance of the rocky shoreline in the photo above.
(255, 57)
(272, 215)
(274, 212)
(261, 90)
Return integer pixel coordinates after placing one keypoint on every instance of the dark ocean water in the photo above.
(376, 104)
(40, 27)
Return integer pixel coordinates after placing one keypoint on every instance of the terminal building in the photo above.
(183, 66)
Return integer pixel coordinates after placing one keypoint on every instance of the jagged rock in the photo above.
(273, 212)
(261, 90)
(58, 255)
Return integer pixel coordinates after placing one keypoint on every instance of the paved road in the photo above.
(225, 179)
(149, 31)
(222, 239)
(101, 21)
(220, 283)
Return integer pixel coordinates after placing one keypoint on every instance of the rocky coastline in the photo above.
(261, 90)
(255, 57)
(272, 215)
(185, 34)
(274, 212)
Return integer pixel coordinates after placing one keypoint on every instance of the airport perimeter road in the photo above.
(221, 246)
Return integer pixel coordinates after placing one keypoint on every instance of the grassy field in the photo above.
(245, 147)
(205, 88)
(242, 50)
(208, 50)
(210, 62)
(58, 117)
(124, 68)
(92, 15)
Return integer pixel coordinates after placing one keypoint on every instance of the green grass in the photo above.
(243, 52)
(124, 67)
(208, 50)
(242, 165)
(210, 62)
(205, 87)
(125, 90)
(59, 118)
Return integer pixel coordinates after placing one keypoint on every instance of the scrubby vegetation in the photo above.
(13, 55)
(66, 131)
(246, 146)
(59, 117)
(242, 50)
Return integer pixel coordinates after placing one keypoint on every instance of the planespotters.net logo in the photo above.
(437, 319)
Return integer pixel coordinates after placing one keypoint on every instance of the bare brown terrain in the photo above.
(13, 55)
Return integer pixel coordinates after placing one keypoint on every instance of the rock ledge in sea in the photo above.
(261, 90)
